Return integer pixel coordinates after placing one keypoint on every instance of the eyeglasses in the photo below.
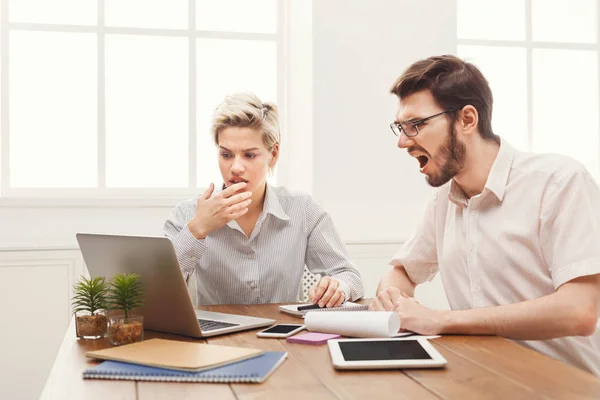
(411, 128)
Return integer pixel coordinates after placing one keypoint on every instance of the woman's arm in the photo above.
(188, 249)
(327, 254)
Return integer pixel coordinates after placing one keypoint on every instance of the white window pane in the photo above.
(159, 14)
(506, 71)
(225, 67)
(564, 20)
(491, 19)
(69, 12)
(565, 104)
(237, 15)
(146, 111)
(53, 116)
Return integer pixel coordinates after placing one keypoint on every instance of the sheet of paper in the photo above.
(366, 324)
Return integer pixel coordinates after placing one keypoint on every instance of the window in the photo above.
(113, 98)
(541, 59)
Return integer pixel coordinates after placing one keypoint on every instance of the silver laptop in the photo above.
(167, 305)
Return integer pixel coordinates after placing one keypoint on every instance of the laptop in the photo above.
(167, 305)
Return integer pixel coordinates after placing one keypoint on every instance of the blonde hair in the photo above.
(246, 110)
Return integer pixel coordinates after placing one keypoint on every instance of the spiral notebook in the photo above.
(254, 370)
(292, 309)
(175, 354)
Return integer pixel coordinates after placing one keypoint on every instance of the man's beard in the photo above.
(452, 157)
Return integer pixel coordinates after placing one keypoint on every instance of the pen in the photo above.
(309, 307)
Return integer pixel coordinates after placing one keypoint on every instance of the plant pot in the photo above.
(123, 330)
(90, 326)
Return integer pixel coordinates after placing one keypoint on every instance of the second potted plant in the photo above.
(125, 294)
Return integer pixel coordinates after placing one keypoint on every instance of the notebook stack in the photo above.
(174, 361)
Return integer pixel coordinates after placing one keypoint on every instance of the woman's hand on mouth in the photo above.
(214, 212)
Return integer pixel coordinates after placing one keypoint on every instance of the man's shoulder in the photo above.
(546, 167)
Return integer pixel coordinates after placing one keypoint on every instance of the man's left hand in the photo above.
(417, 318)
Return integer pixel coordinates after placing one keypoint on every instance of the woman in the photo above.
(248, 242)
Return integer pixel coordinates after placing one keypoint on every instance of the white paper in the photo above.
(364, 324)
(292, 309)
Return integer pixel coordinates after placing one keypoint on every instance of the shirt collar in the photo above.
(497, 179)
(500, 171)
(272, 204)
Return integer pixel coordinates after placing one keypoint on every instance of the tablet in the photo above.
(384, 353)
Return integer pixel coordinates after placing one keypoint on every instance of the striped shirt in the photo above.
(292, 231)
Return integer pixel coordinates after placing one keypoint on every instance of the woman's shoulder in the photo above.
(298, 201)
(291, 197)
(186, 206)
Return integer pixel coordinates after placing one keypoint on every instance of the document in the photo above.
(365, 324)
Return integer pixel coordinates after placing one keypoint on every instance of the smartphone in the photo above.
(280, 331)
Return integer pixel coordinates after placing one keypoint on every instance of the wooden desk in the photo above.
(478, 368)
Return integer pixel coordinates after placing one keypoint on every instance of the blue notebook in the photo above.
(253, 370)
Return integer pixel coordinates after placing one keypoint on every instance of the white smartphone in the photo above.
(280, 331)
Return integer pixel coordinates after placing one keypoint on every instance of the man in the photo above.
(515, 236)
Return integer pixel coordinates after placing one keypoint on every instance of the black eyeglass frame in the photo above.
(397, 128)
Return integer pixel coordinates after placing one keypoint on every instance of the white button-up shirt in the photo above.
(535, 226)
(231, 268)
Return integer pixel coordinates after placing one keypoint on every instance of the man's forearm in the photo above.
(556, 315)
(397, 277)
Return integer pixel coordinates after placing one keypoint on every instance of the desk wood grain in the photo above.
(478, 368)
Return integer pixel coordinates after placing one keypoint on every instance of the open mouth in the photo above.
(423, 160)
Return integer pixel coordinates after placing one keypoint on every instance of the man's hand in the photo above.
(213, 213)
(417, 318)
(386, 299)
(327, 293)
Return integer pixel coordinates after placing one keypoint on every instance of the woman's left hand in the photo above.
(327, 293)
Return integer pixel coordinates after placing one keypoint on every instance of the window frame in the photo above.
(101, 195)
(530, 45)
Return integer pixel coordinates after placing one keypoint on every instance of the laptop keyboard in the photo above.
(209, 325)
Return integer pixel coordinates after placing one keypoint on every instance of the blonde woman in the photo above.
(247, 242)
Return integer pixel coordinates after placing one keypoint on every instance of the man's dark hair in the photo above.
(454, 84)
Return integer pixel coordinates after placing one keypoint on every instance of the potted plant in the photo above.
(125, 294)
(89, 306)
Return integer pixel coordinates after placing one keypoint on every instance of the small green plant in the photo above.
(125, 293)
(90, 295)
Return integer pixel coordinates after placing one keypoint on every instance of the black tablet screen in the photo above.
(383, 350)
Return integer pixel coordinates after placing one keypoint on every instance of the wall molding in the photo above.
(71, 260)
(359, 248)
(362, 250)
(370, 257)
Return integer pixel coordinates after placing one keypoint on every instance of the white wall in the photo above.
(373, 190)
(341, 104)
(34, 293)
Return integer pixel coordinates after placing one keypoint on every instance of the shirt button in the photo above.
(253, 285)
(251, 256)
(472, 213)
(194, 259)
